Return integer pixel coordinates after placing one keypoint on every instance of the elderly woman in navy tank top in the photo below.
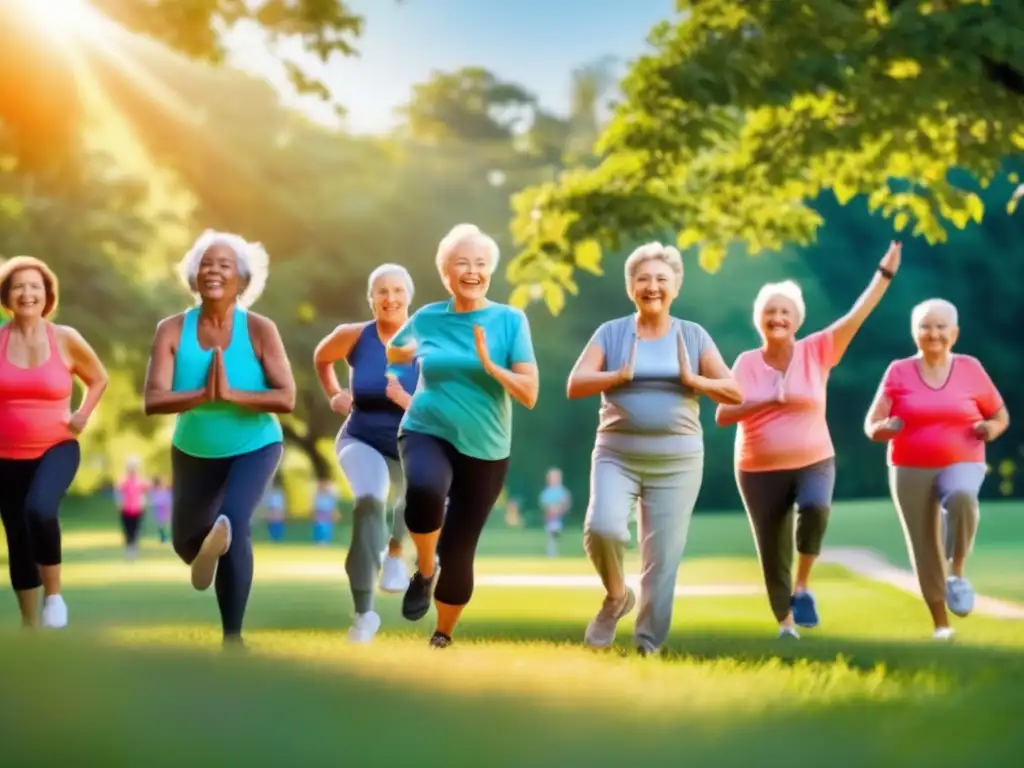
(367, 444)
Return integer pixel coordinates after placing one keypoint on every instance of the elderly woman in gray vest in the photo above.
(650, 369)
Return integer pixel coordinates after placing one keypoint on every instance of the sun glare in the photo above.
(66, 18)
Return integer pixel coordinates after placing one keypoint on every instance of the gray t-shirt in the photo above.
(654, 414)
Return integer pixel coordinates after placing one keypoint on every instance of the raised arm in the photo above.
(334, 347)
(87, 366)
(280, 397)
(845, 328)
(157, 395)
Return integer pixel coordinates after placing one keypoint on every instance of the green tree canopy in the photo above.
(746, 112)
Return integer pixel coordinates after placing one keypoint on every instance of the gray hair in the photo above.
(927, 307)
(787, 289)
(666, 254)
(252, 261)
(385, 270)
(466, 234)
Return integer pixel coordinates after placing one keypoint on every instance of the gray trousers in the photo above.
(376, 482)
(938, 509)
(666, 489)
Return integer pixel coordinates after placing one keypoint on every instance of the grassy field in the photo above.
(138, 678)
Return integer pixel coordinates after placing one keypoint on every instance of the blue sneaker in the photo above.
(959, 596)
(805, 611)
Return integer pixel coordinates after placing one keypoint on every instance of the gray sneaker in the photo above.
(959, 595)
(601, 631)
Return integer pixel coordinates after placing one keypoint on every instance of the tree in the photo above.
(747, 112)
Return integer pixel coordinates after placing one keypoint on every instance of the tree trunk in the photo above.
(307, 444)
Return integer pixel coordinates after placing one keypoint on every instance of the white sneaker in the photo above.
(943, 633)
(216, 544)
(601, 630)
(394, 576)
(789, 632)
(55, 612)
(364, 627)
(959, 595)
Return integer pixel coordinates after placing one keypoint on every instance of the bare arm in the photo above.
(728, 414)
(588, 377)
(334, 347)
(400, 355)
(845, 328)
(157, 395)
(715, 379)
(992, 428)
(280, 397)
(879, 425)
(86, 365)
(522, 381)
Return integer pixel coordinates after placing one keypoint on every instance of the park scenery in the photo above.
(767, 140)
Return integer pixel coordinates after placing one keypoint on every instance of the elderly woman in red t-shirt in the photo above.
(937, 410)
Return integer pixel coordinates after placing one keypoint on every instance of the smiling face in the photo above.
(218, 277)
(390, 297)
(27, 295)
(779, 319)
(935, 333)
(468, 272)
(654, 287)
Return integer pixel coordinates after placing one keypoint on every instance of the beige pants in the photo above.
(939, 512)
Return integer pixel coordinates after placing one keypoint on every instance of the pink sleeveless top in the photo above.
(35, 403)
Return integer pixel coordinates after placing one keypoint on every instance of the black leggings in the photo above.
(207, 488)
(436, 472)
(31, 491)
(130, 524)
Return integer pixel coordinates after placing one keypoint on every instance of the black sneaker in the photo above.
(416, 601)
(440, 640)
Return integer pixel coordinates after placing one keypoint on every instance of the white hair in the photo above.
(386, 270)
(666, 254)
(461, 235)
(252, 261)
(787, 289)
(927, 307)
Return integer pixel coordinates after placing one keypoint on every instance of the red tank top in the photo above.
(35, 403)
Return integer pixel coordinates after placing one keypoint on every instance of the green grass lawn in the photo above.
(138, 678)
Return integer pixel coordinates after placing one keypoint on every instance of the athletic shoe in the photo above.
(440, 640)
(216, 544)
(805, 610)
(55, 612)
(943, 633)
(416, 601)
(364, 627)
(789, 632)
(394, 576)
(959, 595)
(601, 630)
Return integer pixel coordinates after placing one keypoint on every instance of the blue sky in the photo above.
(533, 42)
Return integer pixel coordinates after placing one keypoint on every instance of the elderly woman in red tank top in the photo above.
(39, 453)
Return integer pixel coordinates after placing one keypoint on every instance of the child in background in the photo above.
(160, 507)
(274, 511)
(554, 504)
(131, 498)
(325, 512)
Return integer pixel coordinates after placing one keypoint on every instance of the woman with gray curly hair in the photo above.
(223, 371)
(651, 370)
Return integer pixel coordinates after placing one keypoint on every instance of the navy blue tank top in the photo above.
(374, 419)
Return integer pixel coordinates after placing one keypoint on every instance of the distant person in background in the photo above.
(513, 514)
(274, 510)
(937, 410)
(39, 452)
(367, 443)
(224, 371)
(475, 357)
(160, 507)
(555, 501)
(325, 513)
(650, 369)
(784, 458)
(131, 500)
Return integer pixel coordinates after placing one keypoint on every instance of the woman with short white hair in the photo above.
(937, 410)
(224, 371)
(784, 457)
(367, 443)
(475, 357)
(651, 370)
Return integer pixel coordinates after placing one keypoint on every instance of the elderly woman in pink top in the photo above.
(39, 453)
(784, 456)
(937, 410)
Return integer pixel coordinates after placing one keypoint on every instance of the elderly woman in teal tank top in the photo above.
(650, 369)
(224, 372)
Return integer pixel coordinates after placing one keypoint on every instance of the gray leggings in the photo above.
(939, 512)
(770, 498)
(375, 480)
(666, 489)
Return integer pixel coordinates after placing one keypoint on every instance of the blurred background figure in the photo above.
(513, 514)
(160, 507)
(274, 510)
(130, 495)
(555, 502)
(325, 512)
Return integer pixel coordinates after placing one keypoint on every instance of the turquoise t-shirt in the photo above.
(456, 400)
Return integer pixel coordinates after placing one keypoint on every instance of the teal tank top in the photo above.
(219, 430)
